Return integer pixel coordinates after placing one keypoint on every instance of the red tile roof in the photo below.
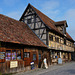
(17, 32)
(49, 22)
(68, 36)
(61, 23)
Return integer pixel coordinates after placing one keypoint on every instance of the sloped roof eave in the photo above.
(17, 32)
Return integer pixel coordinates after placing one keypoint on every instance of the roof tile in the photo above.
(49, 22)
(17, 32)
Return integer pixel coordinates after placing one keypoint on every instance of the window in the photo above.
(53, 53)
(58, 53)
(61, 40)
(57, 39)
(39, 56)
(13, 55)
(65, 41)
(2, 56)
(70, 44)
(63, 56)
(51, 37)
(26, 54)
(29, 21)
(19, 54)
(8, 55)
(34, 56)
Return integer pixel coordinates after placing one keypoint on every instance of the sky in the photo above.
(57, 10)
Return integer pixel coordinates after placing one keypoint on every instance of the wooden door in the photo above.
(27, 57)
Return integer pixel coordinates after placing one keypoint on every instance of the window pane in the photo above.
(39, 56)
(8, 55)
(65, 41)
(13, 54)
(19, 54)
(26, 54)
(34, 56)
(51, 37)
(29, 21)
(57, 39)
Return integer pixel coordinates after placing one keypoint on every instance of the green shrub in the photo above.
(0, 73)
(7, 74)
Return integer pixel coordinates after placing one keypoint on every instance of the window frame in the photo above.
(11, 54)
(26, 54)
(36, 56)
(50, 37)
(29, 21)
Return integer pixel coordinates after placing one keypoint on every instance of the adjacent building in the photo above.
(19, 46)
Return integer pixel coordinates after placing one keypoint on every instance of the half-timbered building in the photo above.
(30, 40)
(53, 34)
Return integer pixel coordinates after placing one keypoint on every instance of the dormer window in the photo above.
(61, 25)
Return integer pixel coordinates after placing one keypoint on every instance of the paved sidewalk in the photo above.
(44, 71)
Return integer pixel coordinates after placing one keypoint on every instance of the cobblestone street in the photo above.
(65, 69)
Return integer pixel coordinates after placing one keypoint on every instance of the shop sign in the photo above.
(2, 55)
(13, 64)
(59, 61)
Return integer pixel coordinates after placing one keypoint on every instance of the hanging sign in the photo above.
(59, 61)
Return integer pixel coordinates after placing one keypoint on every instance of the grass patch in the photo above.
(0, 73)
(7, 74)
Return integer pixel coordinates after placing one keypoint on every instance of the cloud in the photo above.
(49, 5)
(71, 1)
(50, 8)
(16, 15)
(70, 17)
